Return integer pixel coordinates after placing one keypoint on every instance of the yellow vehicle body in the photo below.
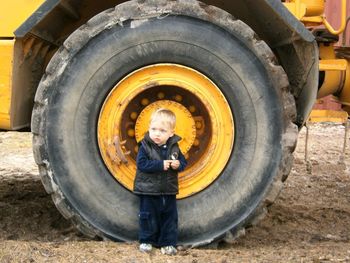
(6, 58)
(85, 76)
(13, 13)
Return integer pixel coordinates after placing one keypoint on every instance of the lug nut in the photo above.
(198, 125)
(160, 95)
(178, 98)
(131, 132)
(145, 102)
(133, 115)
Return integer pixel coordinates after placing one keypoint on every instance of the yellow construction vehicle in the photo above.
(242, 77)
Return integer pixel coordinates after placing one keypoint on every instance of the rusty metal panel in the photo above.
(328, 102)
(333, 15)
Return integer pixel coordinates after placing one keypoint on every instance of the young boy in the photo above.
(159, 160)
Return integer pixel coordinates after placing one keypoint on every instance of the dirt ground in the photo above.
(309, 222)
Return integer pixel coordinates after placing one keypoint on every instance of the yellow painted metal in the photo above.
(204, 168)
(297, 8)
(314, 7)
(312, 11)
(14, 13)
(328, 116)
(6, 61)
(336, 75)
(334, 71)
(306, 9)
(333, 64)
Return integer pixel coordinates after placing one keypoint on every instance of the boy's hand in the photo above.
(175, 164)
(167, 164)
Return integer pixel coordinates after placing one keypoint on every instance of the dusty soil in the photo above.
(309, 222)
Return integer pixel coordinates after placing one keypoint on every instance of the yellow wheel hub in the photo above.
(204, 121)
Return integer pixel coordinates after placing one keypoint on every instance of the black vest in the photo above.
(165, 182)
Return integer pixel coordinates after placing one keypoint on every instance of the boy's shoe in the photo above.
(168, 250)
(145, 247)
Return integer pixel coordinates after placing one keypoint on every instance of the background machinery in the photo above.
(241, 76)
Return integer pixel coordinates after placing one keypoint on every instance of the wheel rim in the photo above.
(204, 121)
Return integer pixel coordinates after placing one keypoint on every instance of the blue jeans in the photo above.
(158, 220)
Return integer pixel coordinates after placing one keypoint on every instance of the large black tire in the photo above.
(118, 41)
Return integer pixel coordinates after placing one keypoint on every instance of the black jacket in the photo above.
(151, 179)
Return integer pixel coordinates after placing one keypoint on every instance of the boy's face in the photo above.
(160, 132)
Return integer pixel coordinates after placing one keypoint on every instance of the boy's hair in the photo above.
(166, 116)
